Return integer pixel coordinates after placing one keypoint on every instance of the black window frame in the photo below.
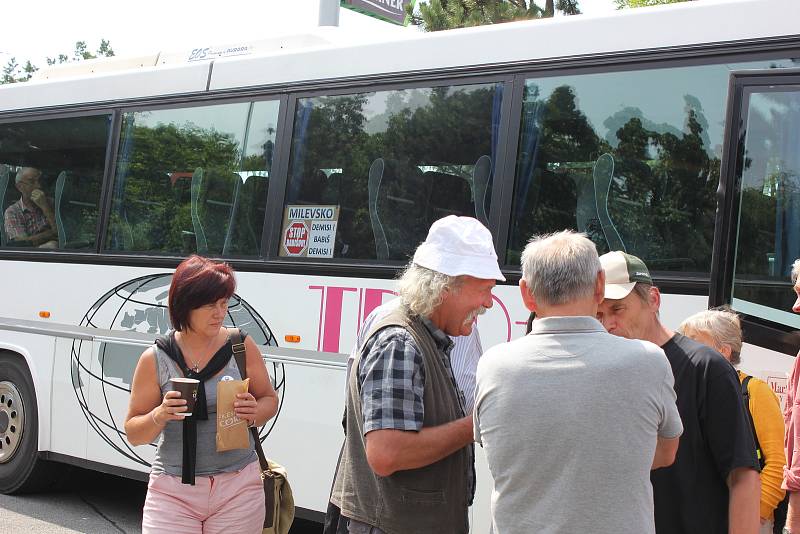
(275, 210)
(756, 330)
(111, 139)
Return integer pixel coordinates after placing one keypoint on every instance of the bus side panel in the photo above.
(112, 367)
(308, 434)
(69, 424)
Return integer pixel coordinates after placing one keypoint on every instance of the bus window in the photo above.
(767, 234)
(51, 174)
(193, 180)
(631, 158)
(391, 162)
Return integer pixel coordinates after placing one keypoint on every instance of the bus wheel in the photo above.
(20, 468)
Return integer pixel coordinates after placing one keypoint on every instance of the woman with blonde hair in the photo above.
(721, 330)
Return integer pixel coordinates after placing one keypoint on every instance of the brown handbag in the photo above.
(278, 499)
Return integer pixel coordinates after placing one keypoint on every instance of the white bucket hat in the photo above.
(458, 246)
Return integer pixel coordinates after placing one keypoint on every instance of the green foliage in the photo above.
(13, 73)
(162, 153)
(435, 15)
(662, 197)
(428, 138)
(621, 4)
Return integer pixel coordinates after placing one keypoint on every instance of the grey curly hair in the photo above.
(422, 289)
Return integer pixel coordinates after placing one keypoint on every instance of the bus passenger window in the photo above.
(193, 180)
(631, 158)
(392, 162)
(51, 174)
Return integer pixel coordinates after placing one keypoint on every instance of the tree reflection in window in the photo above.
(416, 150)
(663, 129)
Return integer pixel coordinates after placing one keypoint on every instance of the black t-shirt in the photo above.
(691, 495)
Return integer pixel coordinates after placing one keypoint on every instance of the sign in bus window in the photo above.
(309, 231)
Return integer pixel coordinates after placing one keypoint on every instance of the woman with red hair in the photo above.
(194, 488)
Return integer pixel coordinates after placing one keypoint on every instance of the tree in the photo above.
(621, 4)
(14, 73)
(435, 15)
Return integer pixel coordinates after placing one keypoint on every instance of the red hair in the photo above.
(197, 281)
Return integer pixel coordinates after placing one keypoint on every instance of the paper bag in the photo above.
(232, 432)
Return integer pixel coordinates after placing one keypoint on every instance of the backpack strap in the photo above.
(746, 400)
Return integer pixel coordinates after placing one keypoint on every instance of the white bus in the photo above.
(316, 170)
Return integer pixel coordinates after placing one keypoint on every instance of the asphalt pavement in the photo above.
(94, 503)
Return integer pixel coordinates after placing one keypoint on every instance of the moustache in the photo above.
(474, 315)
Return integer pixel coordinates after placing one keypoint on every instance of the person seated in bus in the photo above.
(722, 331)
(31, 220)
(713, 487)
(406, 464)
(570, 404)
(194, 488)
(791, 417)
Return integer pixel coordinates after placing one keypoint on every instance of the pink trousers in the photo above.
(229, 502)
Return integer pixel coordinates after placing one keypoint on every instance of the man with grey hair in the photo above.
(30, 221)
(407, 461)
(572, 418)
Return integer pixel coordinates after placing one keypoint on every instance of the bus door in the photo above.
(757, 235)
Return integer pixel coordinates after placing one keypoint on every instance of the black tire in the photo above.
(21, 469)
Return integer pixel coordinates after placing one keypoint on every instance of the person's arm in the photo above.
(666, 448)
(389, 451)
(670, 426)
(793, 515)
(392, 378)
(260, 403)
(40, 199)
(791, 474)
(768, 421)
(744, 485)
(148, 412)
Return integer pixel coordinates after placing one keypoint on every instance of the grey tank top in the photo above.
(169, 453)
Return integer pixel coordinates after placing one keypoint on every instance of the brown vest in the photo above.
(428, 500)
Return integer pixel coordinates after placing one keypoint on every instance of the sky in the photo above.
(36, 29)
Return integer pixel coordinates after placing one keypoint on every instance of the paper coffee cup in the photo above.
(187, 387)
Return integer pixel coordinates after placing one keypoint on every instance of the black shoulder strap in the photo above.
(237, 345)
(239, 354)
(746, 400)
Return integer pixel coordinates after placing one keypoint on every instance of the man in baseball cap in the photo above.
(714, 479)
(407, 460)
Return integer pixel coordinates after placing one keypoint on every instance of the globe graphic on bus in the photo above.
(102, 380)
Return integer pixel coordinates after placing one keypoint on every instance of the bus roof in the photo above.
(332, 56)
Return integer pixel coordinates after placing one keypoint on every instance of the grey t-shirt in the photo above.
(568, 416)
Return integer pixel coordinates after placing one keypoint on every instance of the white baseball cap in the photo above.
(458, 246)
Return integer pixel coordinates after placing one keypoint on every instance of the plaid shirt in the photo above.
(21, 222)
(392, 378)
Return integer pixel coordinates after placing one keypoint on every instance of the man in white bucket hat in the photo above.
(407, 460)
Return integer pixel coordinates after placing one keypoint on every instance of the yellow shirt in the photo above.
(768, 420)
